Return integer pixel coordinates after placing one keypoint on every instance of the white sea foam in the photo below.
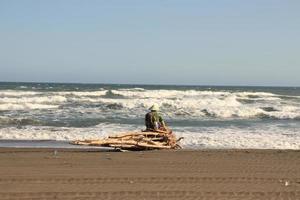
(62, 133)
(246, 138)
(25, 106)
(160, 94)
(174, 103)
(43, 99)
(83, 94)
(16, 93)
(220, 107)
(20, 93)
(132, 89)
(271, 137)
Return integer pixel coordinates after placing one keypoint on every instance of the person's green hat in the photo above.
(154, 107)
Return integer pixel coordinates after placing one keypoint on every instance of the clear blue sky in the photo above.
(213, 42)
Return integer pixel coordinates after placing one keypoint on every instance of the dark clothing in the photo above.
(151, 118)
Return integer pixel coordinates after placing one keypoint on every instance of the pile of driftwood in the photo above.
(145, 140)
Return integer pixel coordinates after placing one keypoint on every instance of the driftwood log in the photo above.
(144, 140)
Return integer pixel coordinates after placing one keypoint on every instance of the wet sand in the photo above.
(207, 174)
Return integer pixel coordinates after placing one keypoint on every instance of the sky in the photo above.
(182, 42)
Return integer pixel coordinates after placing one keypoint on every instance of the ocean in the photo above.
(208, 117)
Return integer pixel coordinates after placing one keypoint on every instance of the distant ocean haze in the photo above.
(207, 116)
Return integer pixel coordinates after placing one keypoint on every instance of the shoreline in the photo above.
(51, 173)
(65, 144)
(83, 148)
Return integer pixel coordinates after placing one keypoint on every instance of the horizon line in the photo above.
(147, 84)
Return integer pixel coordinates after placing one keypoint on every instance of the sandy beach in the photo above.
(204, 174)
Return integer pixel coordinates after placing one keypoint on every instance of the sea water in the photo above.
(206, 116)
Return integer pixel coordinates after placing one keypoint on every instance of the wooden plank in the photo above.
(130, 134)
(135, 140)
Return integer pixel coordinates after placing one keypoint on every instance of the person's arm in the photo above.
(162, 122)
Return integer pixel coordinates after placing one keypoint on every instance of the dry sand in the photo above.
(208, 174)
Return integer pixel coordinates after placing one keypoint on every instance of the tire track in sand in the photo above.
(157, 194)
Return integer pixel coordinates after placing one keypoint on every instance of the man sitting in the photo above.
(154, 121)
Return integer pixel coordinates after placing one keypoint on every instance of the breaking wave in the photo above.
(174, 103)
(25, 106)
(5, 121)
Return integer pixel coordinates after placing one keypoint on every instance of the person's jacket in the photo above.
(151, 118)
